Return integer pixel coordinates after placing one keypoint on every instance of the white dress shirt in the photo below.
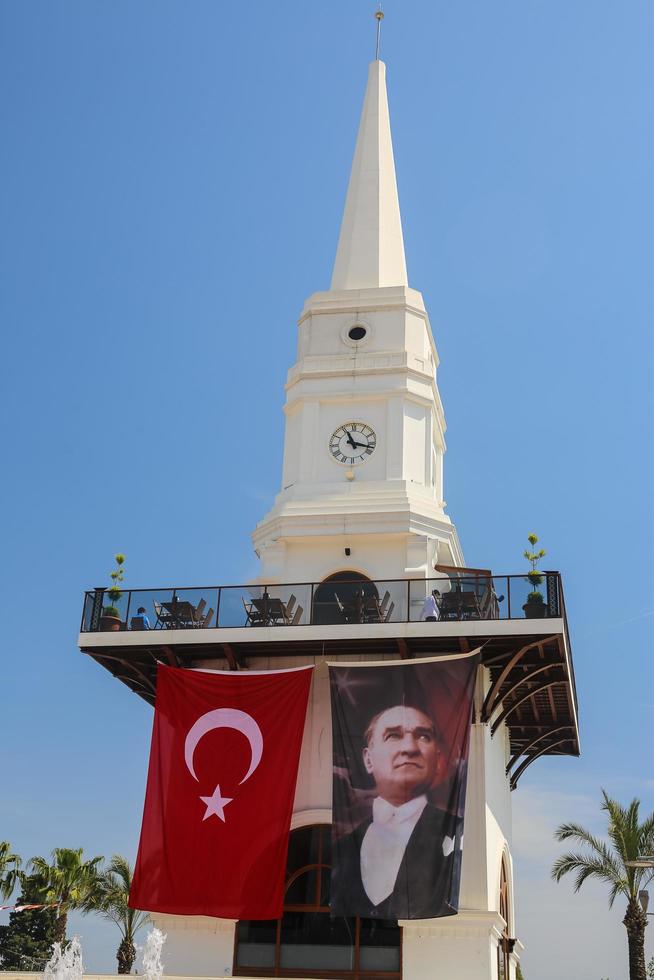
(429, 608)
(384, 845)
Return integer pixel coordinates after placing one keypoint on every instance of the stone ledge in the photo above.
(464, 925)
(15, 975)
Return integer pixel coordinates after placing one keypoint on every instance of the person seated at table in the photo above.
(430, 607)
(140, 621)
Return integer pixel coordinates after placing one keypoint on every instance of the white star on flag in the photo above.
(216, 804)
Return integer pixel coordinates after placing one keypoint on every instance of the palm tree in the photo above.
(630, 840)
(9, 869)
(68, 881)
(115, 884)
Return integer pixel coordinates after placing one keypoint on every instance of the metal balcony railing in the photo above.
(343, 599)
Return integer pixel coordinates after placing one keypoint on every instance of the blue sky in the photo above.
(173, 177)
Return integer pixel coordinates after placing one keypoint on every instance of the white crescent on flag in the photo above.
(240, 721)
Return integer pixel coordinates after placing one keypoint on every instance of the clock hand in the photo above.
(361, 445)
(351, 440)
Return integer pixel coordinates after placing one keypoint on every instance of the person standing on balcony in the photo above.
(430, 607)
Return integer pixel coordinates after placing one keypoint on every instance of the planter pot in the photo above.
(110, 624)
(535, 609)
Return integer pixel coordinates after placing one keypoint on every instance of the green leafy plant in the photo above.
(534, 575)
(114, 592)
(26, 942)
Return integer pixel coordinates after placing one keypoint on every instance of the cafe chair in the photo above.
(252, 614)
(164, 619)
(207, 619)
(298, 616)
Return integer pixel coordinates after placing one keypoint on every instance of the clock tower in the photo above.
(362, 499)
(362, 485)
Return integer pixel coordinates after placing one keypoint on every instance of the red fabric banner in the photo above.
(223, 767)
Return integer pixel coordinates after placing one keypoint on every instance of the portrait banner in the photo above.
(401, 733)
(223, 767)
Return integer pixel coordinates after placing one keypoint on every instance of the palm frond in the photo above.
(646, 836)
(9, 869)
(610, 862)
(67, 879)
(615, 891)
(115, 885)
(579, 834)
(623, 829)
(595, 869)
(586, 867)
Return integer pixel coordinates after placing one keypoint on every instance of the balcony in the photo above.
(336, 602)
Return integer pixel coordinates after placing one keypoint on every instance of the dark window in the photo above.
(357, 333)
(307, 941)
(503, 946)
(337, 592)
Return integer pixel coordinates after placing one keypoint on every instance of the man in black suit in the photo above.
(403, 861)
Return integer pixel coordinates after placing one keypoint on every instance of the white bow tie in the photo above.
(383, 812)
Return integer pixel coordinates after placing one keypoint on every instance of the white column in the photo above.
(309, 442)
(462, 946)
(394, 438)
(474, 875)
(196, 945)
(429, 454)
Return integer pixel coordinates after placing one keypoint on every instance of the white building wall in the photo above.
(498, 811)
(196, 945)
(462, 947)
(474, 880)
(390, 559)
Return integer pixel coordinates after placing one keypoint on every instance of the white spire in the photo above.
(370, 247)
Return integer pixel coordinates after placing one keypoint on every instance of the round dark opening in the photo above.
(357, 333)
(336, 599)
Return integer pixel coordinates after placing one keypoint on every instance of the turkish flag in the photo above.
(223, 767)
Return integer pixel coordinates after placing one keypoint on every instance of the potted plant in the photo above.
(110, 619)
(535, 606)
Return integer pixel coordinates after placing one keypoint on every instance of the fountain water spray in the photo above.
(151, 961)
(66, 965)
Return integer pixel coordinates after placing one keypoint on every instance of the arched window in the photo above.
(337, 599)
(504, 945)
(307, 941)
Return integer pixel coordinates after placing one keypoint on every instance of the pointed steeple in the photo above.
(370, 246)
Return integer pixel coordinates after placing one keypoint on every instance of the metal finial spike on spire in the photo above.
(379, 16)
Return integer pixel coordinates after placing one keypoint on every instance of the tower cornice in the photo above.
(359, 302)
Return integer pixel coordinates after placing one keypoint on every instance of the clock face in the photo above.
(352, 443)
